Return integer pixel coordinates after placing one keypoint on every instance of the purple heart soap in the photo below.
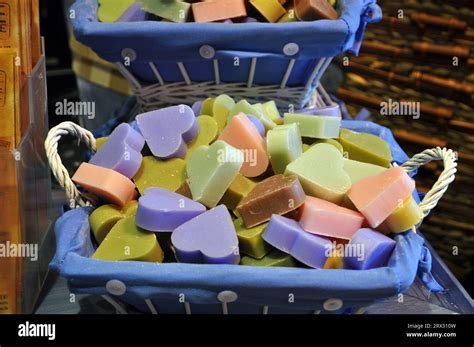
(258, 124)
(121, 151)
(134, 13)
(288, 236)
(209, 238)
(167, 131)
(163, 210)
(197, 108)
(372, 248)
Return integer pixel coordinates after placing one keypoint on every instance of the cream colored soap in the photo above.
(319, 127)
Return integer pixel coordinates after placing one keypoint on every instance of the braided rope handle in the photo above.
(56, 164)
(68, 128)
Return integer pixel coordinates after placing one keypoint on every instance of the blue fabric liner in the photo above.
(166, 43)
(255, 286)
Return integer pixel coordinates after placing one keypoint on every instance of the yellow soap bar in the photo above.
(126, 241)
(289, 17)
(405, 216)
(168, 174)
(238, 189)
(333, 142)
(272, 10)
(250, 239)
(100, 142)
(275, 258)
(208, 131)
(105, 217)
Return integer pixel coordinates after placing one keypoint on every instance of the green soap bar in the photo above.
(239, 189)
(319, 127)
(155, 173)
(288, 17)
(271, 109)
(250, 240)
(221, 108)
(173, 10)
(283, 146)
(249, 110)
(365, 147)
(320, 171)
(358, 170)
(211, 170)
(206, 107)
(126, 241)
(105, 217)
(274, 258)
(112, 10)
(333, 142)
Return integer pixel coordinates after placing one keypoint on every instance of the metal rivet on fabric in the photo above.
(227, 296)
(116, 287)
(332, 304)
(129, 53)
(291, 49)
(207, 52)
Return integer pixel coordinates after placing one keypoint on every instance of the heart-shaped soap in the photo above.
(167, 130)
(163, 210)
(288, 236)
(211, 170)
(126, 241)
(321, 172)
(209, 238)
(169, 174)
(121, 152)
(112, 10)
(208, 131)
(221, 108)
(106, 216)
(134, 13)
(243, 106)
(365, 147)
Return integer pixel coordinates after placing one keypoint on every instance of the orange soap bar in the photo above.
(217, 10)
(378, 196)
(242, 134)
(107, 184)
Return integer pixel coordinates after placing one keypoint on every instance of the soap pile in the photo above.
(225, 182)
(225, 11)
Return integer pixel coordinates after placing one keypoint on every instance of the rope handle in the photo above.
(430, 200)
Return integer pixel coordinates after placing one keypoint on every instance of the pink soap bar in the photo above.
(378, 196)
(324, 218)
(241, 133)
(218, 10)
(107, 184)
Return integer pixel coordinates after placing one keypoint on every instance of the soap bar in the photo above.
(197, 108)
(319, 127)
(332, 142)
(258, 125)
(407, 214)
(134, 13)
(162, 210)
(271, 10)
(111, 10)
(221, 107)
(100, 142)
(335, 261)
(207, 107)
(209, 238)
(242, 134)
(211, 170)
(358, 170)
(365, 147)
(284, 146)
(105, 183)
(324, 218)
(172, 10)
(250, 239)
(272, 112)
(103, 218)
(309, 10)
(375, 250)
(288, 236)
(238, 189)
(378, 196)
(217, 10)
(121, 152)
(208, 132)
(321, 172)
(332, 110)
(243, 106)
(167, 130)
(275, 258)
(169, 174)
(289, 16)
(126, 241)
(275, 195)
